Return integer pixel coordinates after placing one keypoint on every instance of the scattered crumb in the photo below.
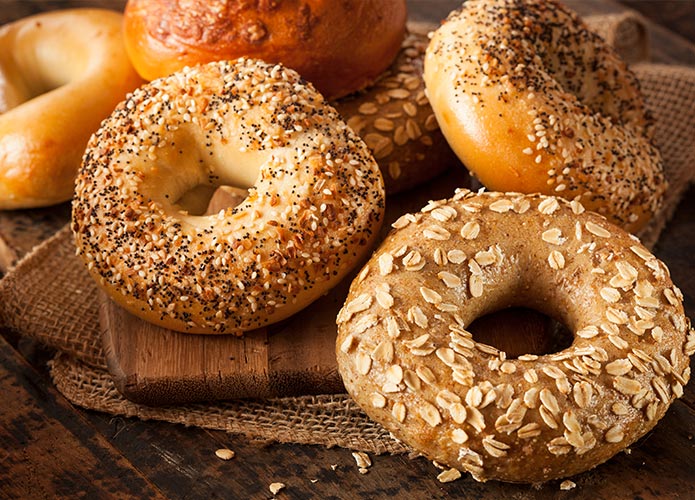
(314, 480)
(479, 479)
(363, 470)
(276, 487)
(627, 451)
(567, 485)
(449, 475)
(334, 466)
(362, 459)
(225, 454)
(438, 465)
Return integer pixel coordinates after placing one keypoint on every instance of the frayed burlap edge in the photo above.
(330, 420)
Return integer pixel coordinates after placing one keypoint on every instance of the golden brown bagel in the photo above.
(340, 47)
(61, 73)
(532, 101)
(407, 358)
(314, 206)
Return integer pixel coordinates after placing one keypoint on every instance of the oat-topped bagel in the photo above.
(532, 101)
(314, 206)
(407, 358)
(396, 121)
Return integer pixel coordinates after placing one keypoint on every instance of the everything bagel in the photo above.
(534, 102)
(314, 206)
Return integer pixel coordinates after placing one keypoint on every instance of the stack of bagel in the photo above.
(310, 113)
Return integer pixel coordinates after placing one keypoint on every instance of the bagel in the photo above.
(407, 358)
(394, 118)
(532, 101)
(314, 206)
(62, 73)
(340, 47)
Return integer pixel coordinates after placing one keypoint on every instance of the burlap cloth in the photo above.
(49, 296)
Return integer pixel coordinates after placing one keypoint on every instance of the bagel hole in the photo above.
(520, 330)
(210, 200)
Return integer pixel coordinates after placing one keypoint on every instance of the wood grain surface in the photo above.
(50, 449)
(156, 366)
(41, 432)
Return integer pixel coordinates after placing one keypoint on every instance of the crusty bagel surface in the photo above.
(340, 47)
(534, 102)
(407, 358)
(314, 206)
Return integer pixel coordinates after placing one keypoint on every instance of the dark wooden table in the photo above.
(49, 449)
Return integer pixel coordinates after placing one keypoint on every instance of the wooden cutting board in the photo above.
(155, 366)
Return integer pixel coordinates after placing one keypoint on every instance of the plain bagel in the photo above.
(314, 206)
(408, 360)
(62, 73)
(532, 101)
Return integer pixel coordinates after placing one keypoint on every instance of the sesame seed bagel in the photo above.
(532, 101)
(61, 73)
(395, 119)
(408, 360)
(314, 206)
